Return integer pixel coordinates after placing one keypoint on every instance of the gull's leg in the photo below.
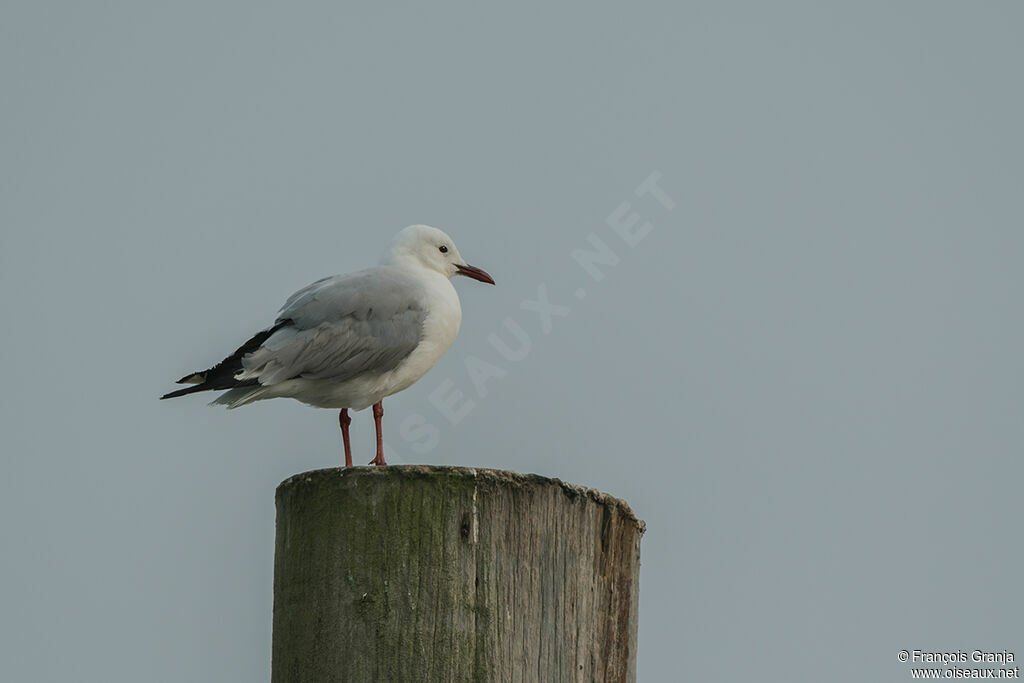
(378, 413)
(344, 420)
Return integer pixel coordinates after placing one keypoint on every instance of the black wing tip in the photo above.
(183, 392)
(222, 375)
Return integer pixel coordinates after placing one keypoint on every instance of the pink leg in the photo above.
(378, 413)
(344, 420)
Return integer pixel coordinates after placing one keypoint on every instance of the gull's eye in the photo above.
(444, 249)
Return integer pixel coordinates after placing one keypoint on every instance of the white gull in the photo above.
(347, 341)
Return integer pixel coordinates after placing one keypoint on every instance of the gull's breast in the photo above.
(440, 327)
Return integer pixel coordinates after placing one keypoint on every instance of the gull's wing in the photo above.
(341, 327)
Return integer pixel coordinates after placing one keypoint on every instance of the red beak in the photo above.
(475, 273)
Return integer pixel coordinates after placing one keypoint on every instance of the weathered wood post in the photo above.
(435, 574)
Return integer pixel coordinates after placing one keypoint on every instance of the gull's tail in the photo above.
(241, 396)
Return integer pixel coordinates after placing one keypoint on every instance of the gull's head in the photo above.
(432, 249)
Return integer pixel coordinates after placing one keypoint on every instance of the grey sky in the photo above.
(806, 377)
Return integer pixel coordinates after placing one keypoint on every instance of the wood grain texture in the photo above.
(416, 573)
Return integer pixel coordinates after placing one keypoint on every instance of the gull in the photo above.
(347, 341)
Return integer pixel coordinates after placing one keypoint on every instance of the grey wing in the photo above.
(341, 327)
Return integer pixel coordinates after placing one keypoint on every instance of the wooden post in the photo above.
(415, 573)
